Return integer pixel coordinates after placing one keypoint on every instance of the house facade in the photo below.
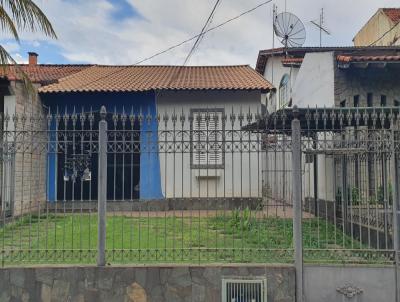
(331, 77)
(168, 158)
(382, 29)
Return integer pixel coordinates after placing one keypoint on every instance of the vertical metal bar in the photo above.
(102, 189)
(395, 191)
(297, 207)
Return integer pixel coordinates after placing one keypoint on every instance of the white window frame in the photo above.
(284, 91)
(207, 139)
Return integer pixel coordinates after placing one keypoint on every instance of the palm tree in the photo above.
(17, 15)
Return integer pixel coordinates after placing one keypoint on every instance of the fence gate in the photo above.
(346, 177)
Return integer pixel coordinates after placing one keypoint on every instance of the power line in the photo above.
(194, 47)
(192, 50)
(381, 37)
(205, 32)
(188, 40)
(201, 35)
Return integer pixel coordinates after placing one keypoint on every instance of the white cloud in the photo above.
(88, 33)
(36, 44)
(11, 46)
(19, 58)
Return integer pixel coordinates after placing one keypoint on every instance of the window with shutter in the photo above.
(207, 139)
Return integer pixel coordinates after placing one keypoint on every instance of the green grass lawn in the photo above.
(233, 237)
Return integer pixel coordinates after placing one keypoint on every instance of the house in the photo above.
(155, 96)
(382, 29)
(331, 77)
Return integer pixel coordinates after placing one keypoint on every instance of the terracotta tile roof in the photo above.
(350, 59)
(292, 61)
(393, 14)
(43, 74)
(146, 78)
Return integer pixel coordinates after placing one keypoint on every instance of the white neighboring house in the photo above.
(331, 76)
(327, 77)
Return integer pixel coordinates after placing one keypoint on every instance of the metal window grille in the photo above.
(244, 290)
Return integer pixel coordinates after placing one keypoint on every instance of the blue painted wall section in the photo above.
(150, 182)
(150, 178)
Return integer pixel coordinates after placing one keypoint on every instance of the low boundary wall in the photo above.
(137, 284)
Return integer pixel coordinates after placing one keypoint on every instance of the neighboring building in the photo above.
(155, 91)
(328, 77)
(331, 76)
(382, 29)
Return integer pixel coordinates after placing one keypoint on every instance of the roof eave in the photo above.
(366, 64)
(261, 89)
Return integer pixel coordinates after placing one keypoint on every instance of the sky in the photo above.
(123, 32)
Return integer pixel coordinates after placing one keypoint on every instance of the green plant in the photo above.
(355, 196)
(381, 194)
(372, 200)
(241, 219)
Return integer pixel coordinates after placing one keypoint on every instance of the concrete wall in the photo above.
(321, 283)
(376, 28)
(29, 168)
(192, 283)
(360, 81)
(314, 82)
(241, 174)
(137, 284)
(310, 85)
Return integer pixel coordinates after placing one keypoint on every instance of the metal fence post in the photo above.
(395, 206)
(102, 189)
(297, 204)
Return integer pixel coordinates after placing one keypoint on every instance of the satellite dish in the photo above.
(290, 29)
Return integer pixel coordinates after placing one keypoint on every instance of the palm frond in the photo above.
(7, 62)
(7, 23)
(28, 16)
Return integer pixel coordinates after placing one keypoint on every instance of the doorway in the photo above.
(77, 159)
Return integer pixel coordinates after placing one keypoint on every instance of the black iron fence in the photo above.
(200, 185)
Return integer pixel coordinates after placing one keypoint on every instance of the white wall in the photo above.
(311, 85)
(314, 84)
(241, 175)
(274, 71)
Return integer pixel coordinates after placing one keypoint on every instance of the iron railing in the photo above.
(199, 185)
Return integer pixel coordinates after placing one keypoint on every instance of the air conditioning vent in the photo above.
(244, 290)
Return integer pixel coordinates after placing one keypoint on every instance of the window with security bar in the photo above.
(207, 139)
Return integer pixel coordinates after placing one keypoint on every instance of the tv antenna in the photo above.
(289, 29)
(321, 26)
